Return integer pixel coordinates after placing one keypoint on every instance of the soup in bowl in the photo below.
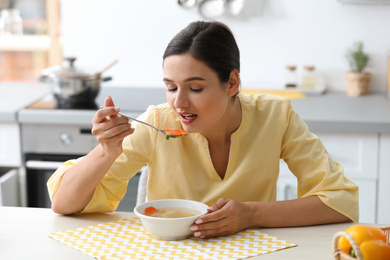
(170, 219)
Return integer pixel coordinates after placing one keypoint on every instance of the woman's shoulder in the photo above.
(160, 115)
(160, 109)
(265, 101)
(264, 97)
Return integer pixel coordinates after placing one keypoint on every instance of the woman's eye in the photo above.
(197, 90)
(171, 89)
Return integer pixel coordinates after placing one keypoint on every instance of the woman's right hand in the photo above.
(110, 129)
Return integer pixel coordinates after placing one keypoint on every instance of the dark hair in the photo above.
(210, 42)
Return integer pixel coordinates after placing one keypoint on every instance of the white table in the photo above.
(24, 235)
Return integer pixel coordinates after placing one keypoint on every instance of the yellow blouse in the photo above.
(182, 167)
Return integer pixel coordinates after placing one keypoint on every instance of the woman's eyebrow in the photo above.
(186, 80)
(167, 80)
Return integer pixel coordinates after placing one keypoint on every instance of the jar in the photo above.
(291, 78)
(11, 22)
(309, 78)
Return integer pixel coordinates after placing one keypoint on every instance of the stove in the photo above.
(78, 102)
(51, 134)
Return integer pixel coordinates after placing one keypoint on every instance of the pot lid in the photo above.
(70, 71)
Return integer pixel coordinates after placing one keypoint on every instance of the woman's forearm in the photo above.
(227, 216)
(79, 182)
(299, 212)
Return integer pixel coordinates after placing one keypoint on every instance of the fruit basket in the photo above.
(340, 255)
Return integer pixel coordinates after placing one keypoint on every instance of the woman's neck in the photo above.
(229, 124)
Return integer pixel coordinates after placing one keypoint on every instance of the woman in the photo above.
(231, 159)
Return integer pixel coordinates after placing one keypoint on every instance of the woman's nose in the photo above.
(181, 99)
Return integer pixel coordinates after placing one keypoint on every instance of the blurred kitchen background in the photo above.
(270, 34)
(35, 136)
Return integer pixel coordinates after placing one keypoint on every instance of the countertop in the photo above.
(337, 112)
(332, 111)
(16, 96)
(132, 100)
(24, 235)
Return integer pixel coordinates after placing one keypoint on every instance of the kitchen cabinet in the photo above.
(384, 180)
(10, 148)
(358, 154)
(10, 162)
(15, 96)
(9, 192)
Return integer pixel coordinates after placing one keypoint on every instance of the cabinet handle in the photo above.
(42, 165)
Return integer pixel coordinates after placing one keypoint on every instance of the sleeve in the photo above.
(137, 151)
(316, 172)
(107, 195)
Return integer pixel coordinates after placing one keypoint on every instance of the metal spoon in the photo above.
(158, 130)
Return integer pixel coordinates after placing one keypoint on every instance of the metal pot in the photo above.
(69, 81)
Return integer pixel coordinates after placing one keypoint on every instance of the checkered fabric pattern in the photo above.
(128, 239)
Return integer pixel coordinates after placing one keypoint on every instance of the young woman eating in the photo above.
(230, 160)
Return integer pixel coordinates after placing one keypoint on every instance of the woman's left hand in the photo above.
(224, 218)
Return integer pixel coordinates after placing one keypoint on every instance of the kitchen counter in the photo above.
(16, 96)
(132, 101)
(24, 235)
(335, 112)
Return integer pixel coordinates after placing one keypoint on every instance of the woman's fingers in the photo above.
(109, 128)
(115, 127)
(108, 102)
(212, 229)
(105, 113)
(225, 217)
(218, 205)
(214, 212)
(214, 223)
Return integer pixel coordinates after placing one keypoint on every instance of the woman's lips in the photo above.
(188, 118)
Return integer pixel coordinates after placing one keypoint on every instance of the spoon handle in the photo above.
(142, 122)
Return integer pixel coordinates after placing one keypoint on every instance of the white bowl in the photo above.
(170, 228)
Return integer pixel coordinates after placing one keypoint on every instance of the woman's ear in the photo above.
(234, 82)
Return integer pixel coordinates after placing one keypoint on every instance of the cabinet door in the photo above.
(367, 200)
(384, 181)
(357, 153)
(9, 195)
(10, 148)
(287, 190)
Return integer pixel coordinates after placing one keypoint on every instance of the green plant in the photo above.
(356, 57)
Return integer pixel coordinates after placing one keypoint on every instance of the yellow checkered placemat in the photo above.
(128, 239)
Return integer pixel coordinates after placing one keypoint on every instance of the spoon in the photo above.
(168, 133)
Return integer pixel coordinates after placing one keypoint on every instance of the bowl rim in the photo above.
(139, 214)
